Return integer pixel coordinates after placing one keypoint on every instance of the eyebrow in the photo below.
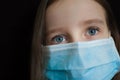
(58, 30)
(90, 21)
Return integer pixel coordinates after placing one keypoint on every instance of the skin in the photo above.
(75, 21)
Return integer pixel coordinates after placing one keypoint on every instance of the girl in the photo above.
(74, 40)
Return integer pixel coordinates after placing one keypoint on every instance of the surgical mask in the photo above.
(93, 60)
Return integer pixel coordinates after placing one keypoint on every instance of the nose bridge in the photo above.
(76, 35)
(77, 38)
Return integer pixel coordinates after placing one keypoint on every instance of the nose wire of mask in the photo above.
(93, 60)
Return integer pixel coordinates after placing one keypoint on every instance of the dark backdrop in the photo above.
(17, 18)
(16, 27)
(115, 5)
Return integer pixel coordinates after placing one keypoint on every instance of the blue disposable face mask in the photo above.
(93, 60)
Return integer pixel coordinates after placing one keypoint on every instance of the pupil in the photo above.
(92, 32)
(59, 39)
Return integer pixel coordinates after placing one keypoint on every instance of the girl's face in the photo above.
(75, 21)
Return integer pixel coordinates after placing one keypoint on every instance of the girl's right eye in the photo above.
(58, 39)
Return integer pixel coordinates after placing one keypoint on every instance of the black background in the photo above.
(17, 18)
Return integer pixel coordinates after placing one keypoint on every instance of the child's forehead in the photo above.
(72, 11)
(73, 6)
(69, 3)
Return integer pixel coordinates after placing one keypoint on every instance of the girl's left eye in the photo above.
(92, 31)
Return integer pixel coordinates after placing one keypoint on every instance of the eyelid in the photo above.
(61, 35)
(50, 40)
(51, 35)
(94, 27)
